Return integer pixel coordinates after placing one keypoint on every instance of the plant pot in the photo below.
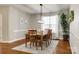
(65, 37)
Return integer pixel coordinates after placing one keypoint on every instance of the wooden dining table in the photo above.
(39, 35)
(38, 38)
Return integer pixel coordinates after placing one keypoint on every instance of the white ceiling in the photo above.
(35, 8)
(47, 7)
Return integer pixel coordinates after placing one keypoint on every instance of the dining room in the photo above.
(33, 28)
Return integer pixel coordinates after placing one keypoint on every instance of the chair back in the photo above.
(49, 34)
(32, 32)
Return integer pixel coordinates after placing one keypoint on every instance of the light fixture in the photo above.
(40, 21)
(49, 20)
(41, 11)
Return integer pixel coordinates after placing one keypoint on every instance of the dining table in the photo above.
(39, 34)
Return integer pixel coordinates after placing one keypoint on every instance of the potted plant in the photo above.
(65, 26)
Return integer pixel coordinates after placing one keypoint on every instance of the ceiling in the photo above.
(35, 8)
(47, 7)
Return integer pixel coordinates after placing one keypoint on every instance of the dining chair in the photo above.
(39, 41)
(47, 38)
(32, 37)
(26, 39)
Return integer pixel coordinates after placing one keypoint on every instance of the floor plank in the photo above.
(63, 47)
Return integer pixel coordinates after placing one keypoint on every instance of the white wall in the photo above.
(18, 24)
(74, 30)
(34, 22)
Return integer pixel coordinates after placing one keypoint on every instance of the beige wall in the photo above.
(14, 23)
(0, 27)
(33, 22)
(74, 30)
(18, 24)
(4, 13)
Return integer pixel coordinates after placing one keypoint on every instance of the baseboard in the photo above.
(11, 40)
(4, 42)
(56, 39)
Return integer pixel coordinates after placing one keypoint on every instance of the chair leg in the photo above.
(30, 44)
(39, 43)
(36, 45)
(26, 44)
(46, 44)
(33, 43)
(41, 46)
(50, 41)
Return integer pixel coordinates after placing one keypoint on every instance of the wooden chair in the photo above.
(48, 37)
(39, 41)
(32, 36)
(26, 39)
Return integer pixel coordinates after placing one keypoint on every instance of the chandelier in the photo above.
(41, 11)
(41, 14)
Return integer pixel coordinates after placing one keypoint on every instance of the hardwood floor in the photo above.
(6, 47)
(63, 47)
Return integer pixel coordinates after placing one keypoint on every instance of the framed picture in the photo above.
(22, 20)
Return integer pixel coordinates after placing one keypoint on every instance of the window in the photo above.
(50, 22)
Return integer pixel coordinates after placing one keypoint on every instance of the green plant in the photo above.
(64, 24)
